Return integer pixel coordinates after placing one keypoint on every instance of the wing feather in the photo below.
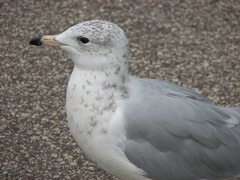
(174, 133)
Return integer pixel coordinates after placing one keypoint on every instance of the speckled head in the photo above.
(96, 42)
(91, 44)
(101, 33)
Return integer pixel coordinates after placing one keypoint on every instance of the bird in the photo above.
(136, 128)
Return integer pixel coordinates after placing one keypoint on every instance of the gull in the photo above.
(139, 129)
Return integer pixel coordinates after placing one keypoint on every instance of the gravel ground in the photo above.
(195, 44)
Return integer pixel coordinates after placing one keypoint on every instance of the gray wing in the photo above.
(176, 134)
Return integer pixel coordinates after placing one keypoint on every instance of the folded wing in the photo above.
(175, 133)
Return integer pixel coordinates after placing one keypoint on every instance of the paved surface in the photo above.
(195, 44)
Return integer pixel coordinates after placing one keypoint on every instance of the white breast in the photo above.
(96, 124)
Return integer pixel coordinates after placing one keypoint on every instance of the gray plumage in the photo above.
(176, 134)
(135, 128)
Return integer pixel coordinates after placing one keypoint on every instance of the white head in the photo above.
(94, 44)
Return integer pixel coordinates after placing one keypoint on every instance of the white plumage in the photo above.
(141, 128)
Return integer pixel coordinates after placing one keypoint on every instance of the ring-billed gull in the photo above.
(141, 128)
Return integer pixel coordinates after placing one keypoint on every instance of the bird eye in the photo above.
(84, 40)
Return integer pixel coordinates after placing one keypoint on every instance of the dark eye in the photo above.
(84, 40)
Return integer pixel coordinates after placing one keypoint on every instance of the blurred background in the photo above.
(195, 44)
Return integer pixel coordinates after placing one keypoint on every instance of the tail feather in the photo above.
(236, 109)
(234, 117)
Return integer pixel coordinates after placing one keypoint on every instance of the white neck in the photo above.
(93, 93)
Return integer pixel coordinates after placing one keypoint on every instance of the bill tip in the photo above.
(36, 41)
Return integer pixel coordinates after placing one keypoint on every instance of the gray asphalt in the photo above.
(195, 44)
